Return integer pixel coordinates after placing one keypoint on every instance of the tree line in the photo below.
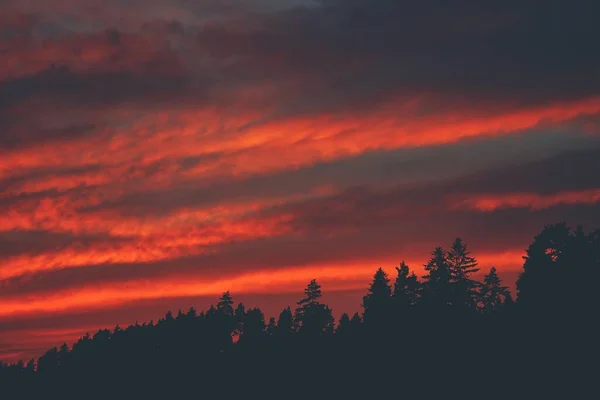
(443, 328)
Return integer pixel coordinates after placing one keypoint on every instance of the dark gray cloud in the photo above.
(33, 242)
(349, 55)
(360, 207)
(93, 88)
(20, 136)
(520, 52)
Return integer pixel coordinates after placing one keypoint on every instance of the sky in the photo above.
(154, 153)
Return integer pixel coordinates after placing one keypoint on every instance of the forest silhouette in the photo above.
(443, 333)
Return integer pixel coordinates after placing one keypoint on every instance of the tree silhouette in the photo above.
(377, 303)
(313, 318)
(492, 294)
(542, 270)
(406, 288)
(272, 327)
(253, 325)
(461, 266)
(225, 304)
(509, 304)
(437, 293)
(344, 329)
(285, 323)
(49, 362)
(356, 324)
(240, 317)
(560, 274)
(419, 332)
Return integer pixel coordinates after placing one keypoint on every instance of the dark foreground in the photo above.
(444, 335)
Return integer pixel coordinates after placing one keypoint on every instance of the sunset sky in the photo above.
(155, 153)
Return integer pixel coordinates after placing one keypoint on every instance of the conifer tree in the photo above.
(509, 304)
(356, 323)
(492, 294)
(272, 326)
(406, 288)
(377, 303)
(436, 285)
(461, 266)
(313, 318)
(285, 323)
(240, 317)
(343, 328)
(253, 324)
(225, 304)
(312, 294)
(63, 355)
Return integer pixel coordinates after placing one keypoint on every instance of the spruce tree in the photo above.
(240, 319)
(509, 304)
(253, 324)
(285, 323)
(313, 318)
(343, 328)
(436, 286)
(378, 301)
(461, 266)
(492, 294)
(356, 323)
(225, 304)
(406, 288)
(272, 326)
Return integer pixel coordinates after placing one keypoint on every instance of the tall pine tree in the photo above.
(406, 288)
(313, 318)
(492, 294)
(377, 303)
(461, 266)
(437, 293)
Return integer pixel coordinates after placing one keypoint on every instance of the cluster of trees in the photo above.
(444, 321)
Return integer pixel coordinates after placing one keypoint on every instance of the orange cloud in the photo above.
(278, 145)
(157, 247)
(532, 201)
(350, 275)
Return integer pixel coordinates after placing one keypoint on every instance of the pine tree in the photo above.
(313, 318)
(492, 294)
(272, 326)
(223, 322)
(406, 288)
(545, 268)
(436, 285)
(509, 304)
(49, 362)
(253, 324)
(285, 323)
(356, 324)
(225, 304)
(377, 303)
(240, 317)
(312, 293)
(30, 367)
(343, 329)
(63, 355)
(461, 266)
